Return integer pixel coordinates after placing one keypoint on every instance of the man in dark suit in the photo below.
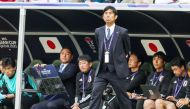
(113, 47)
(67, 72)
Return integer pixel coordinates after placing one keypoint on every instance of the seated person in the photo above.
(185, 102)
(136, 78)
(84, 82)
(178, 86)
(67, 72)
(160, 78)
(3, 91)
(9, 68)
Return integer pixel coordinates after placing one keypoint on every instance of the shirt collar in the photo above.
(111, 28)
(64, 65)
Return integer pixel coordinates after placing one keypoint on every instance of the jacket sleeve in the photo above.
(138, 80)
(70, 73)
(165, 83)
(96, 37)
(170, 88)
(126, 42)
(77, 88)
(188, 89)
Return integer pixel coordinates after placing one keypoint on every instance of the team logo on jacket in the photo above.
(80, 79)
(185, 83)
(89, 79)
(161, 78)
(175, 82)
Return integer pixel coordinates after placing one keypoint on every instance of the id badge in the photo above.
(106, 57)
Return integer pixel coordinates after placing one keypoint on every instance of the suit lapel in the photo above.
(65, 69)
(115, 38)
(102, 36)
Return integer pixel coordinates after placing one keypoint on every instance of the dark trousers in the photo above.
(7, 104)
(185, 107)
(100, 83)
(55, 104)
(140, 104)
(58, 102)
(28, 101)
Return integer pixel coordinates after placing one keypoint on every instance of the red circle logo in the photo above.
(153, 47)
(51, 44)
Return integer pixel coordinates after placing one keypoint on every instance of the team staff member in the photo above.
(159, 78)
(136, 78)
(84, 82)
(113, 46)
(178, 85)
(67, 72)
(185, 102)
(28, 99)
(3, 91)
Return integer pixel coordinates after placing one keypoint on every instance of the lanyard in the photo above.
(156, 79)
(133, 75)
(109, 45)
(83, 84)
(178, 89)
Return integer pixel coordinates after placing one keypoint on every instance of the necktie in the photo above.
(108, 34)
(61, 68)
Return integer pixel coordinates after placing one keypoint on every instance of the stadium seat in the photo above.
(95, 65)
(56, 63)
(147, 68)
(168, 67)
(33, 62)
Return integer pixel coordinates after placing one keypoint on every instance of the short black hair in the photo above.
(111, 8)
(160, 54)
(178, 61)
(68, 48)
(139, 56)
(85, 58)
(8, 61)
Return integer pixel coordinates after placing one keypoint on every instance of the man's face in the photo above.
(133, 61)
(158, 62)
(66, 56)
(9, 70)
(109, 17)
(84, 66)
(177, 70)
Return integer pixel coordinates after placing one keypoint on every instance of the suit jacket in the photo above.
(121, 48)
(68, 77)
